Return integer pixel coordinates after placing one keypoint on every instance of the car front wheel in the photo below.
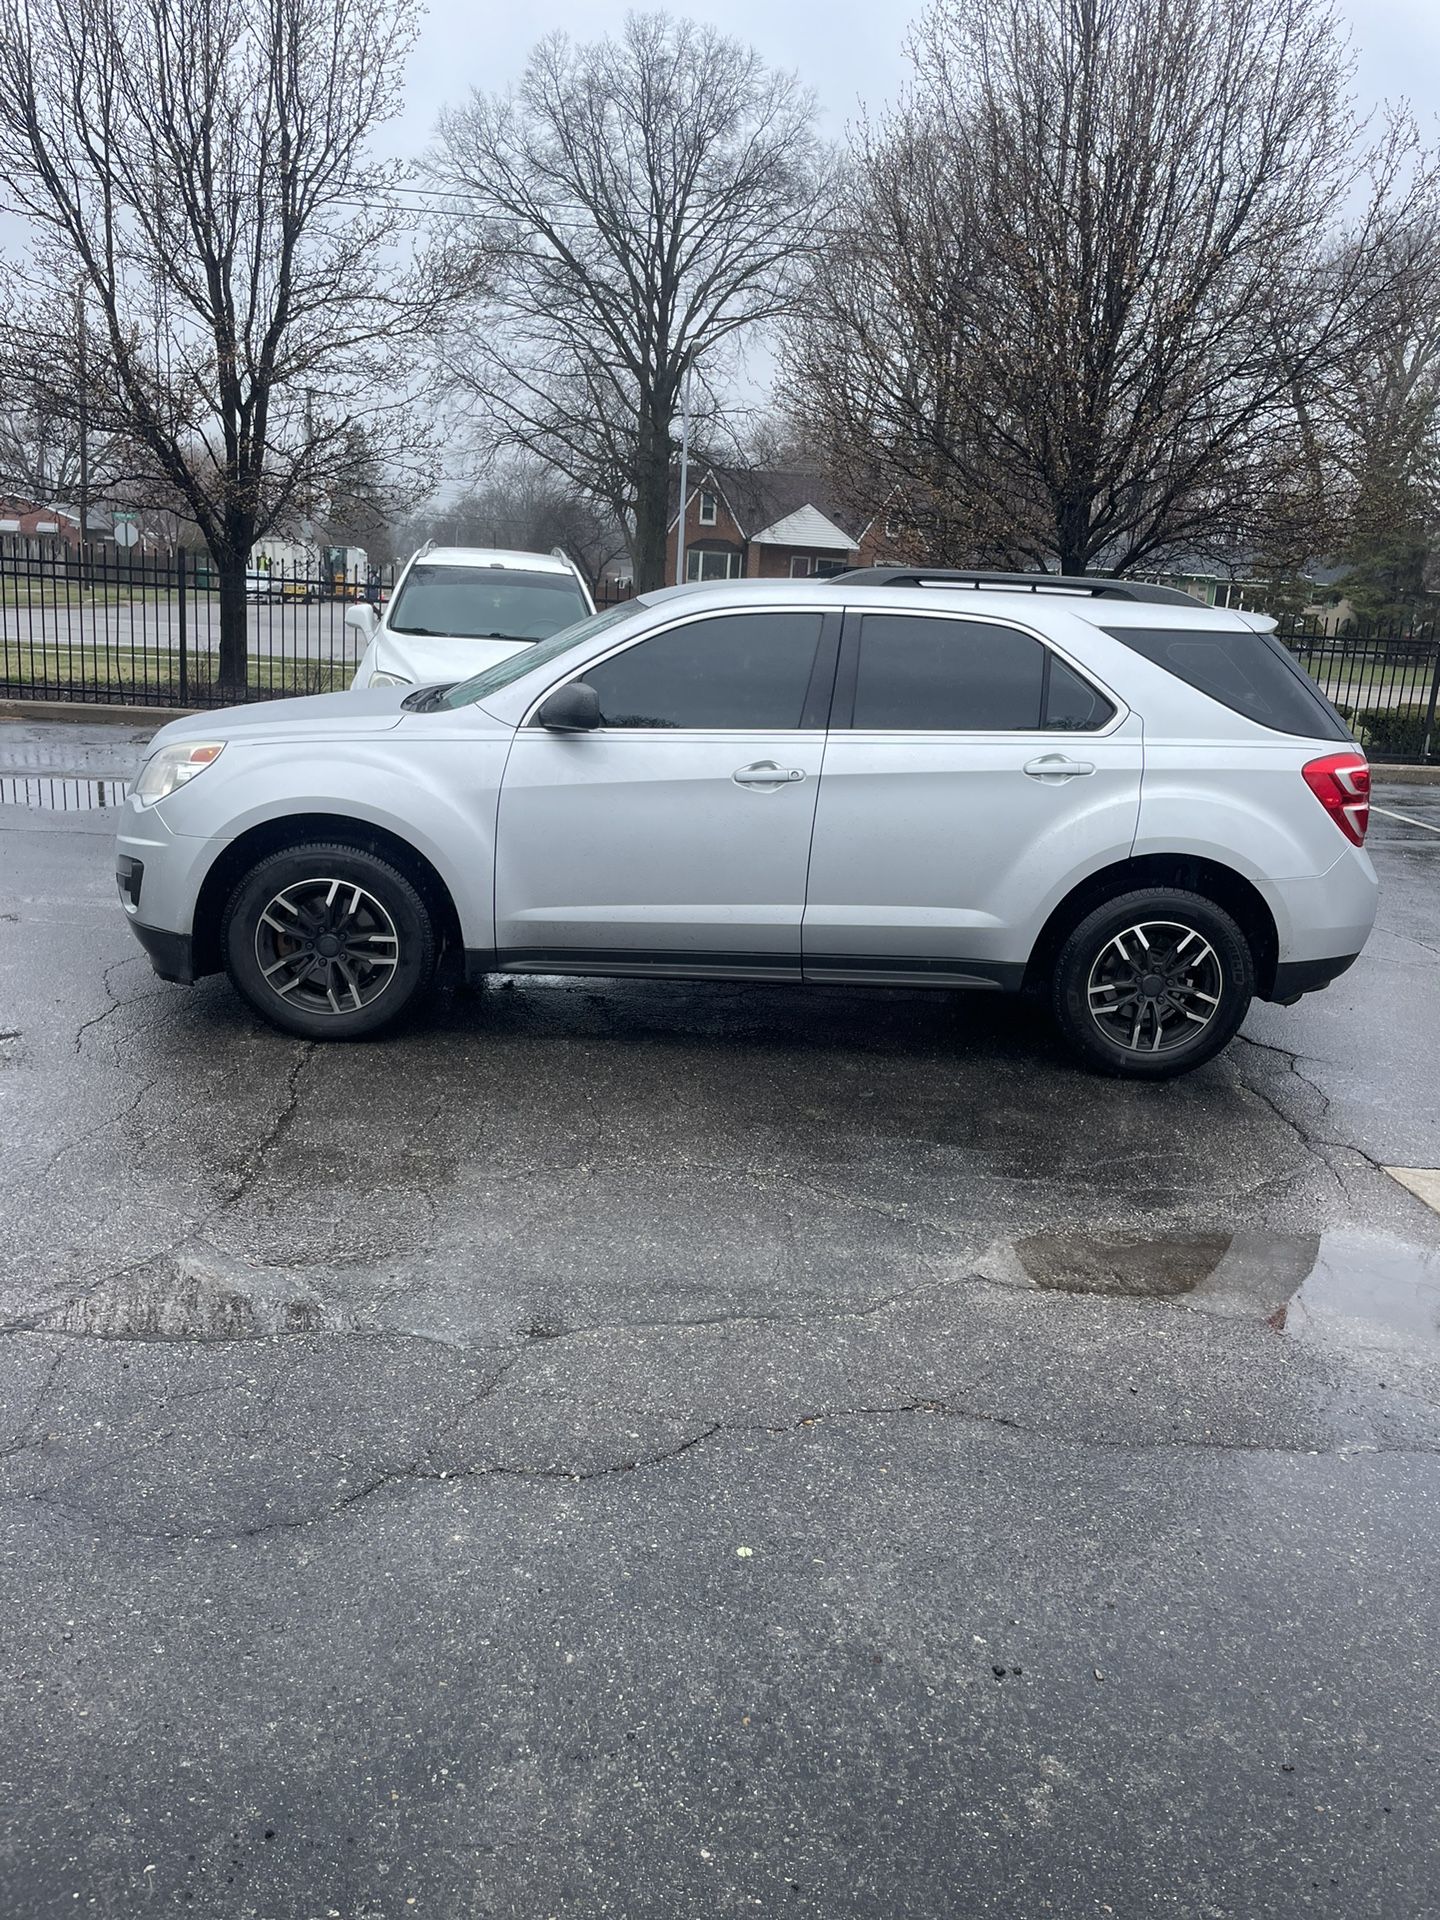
(1153, 984)
(328, 941)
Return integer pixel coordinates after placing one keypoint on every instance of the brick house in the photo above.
(781, 524)
(29, 532)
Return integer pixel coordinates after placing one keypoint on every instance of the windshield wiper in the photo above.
(426, 699)
(437, 633)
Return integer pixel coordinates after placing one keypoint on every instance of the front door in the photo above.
(674, 837)
(970, 774)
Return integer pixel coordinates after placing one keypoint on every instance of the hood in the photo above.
(318, 716)
(431, 661)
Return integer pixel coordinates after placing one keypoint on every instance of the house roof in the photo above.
(805, 527)
(758, 500)
(27, 518)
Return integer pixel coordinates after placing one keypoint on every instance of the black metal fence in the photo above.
(1383, 676)
(144, 629)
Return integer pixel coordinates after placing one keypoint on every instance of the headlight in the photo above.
(390, 680)
(171, 767)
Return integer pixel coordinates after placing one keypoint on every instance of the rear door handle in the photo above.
(766, 773)
(1054, 766)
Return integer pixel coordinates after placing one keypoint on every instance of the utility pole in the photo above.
(82, 412)
(684, 479)
(307, 502)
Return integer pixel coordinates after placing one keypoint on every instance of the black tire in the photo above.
(374, 911)
(1107, 980)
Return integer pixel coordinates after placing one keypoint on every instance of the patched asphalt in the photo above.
(665, 1449)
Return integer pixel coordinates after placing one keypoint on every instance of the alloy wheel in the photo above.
(1155, 986)
(326, 946)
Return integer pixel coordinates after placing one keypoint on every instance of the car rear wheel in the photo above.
(1153, 984)
(328, 942)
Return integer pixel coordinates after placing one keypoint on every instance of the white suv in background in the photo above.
(1135, 807)
(456, 609)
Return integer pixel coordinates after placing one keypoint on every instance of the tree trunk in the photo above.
(1072, 537)
(234, 638)
(652, 506)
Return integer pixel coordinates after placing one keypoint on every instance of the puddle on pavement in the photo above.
(1349, 1290)
(60, 793)
(187, 1304)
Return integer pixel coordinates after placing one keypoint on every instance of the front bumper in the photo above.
(157, 876)
(171, 954)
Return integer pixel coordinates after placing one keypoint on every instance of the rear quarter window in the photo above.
(1250, 673)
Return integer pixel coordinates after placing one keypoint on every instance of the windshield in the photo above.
(485, 603)
(514, 665)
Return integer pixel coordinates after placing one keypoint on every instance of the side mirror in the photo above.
(363, 617)
(574, 708)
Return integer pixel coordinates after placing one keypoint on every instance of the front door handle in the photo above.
(1054, 766)
(766, 774)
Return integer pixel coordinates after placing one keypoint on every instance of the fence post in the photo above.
(1429, 738)
(181, 626)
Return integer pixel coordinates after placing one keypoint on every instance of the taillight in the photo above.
(1341, 783)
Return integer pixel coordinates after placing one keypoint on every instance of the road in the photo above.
(667, 1450)
(295, 629)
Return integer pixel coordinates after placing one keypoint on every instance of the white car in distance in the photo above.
(456, 610)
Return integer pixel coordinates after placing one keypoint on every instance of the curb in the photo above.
(96, 712)
(1382, 775)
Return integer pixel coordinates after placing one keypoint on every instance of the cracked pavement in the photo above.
(660, 1449)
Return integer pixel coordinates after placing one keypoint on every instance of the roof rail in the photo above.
(1096, 586)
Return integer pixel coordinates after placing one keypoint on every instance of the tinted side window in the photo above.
(746, 671)
(929, 675)
(1072, 705)
(1248, 672)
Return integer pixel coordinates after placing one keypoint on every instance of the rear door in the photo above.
(676, 835)
(973, 774)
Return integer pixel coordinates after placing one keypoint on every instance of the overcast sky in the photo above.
(849, 51)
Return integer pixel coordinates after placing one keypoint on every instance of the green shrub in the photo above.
(1395, 731)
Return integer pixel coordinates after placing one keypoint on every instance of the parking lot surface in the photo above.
(652, 1449)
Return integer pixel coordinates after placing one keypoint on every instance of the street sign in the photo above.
(127, 530)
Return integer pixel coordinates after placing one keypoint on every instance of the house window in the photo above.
(893, 528)
(707, 509)
(701, 563)
(800, 566)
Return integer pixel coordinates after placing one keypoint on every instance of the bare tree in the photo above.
(201, 166)
(523, 503)
(358, 510)
(1094, 265)
(50, 450)
(39, 445)
(880, 373)
(633, 207)
(1383, 417)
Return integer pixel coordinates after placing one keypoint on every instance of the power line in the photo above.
(466, 209)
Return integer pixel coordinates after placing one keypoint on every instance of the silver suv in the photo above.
(1136, 807)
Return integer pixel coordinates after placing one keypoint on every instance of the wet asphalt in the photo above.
(691, 1450)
